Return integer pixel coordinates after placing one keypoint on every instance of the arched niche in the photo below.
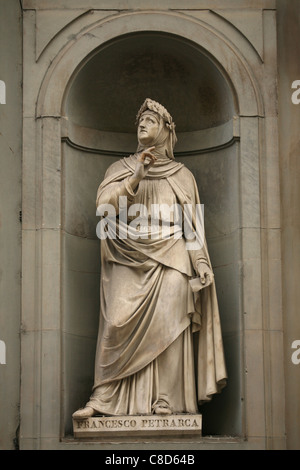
(99, 108)
(63, 163)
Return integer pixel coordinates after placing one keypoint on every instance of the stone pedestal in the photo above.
(141, 425)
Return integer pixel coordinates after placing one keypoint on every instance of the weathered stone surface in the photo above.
(10, 225)
(119, 4)
(250, 23)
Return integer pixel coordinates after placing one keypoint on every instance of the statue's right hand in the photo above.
(145, 161)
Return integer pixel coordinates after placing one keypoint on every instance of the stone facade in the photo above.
(217, 70)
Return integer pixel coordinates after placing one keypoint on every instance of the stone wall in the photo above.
(64, 61)
(228, 137)
(289, 140)
(10, 219)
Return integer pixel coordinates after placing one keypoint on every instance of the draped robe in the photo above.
(159, 343)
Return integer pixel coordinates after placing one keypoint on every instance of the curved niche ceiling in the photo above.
(109, 88)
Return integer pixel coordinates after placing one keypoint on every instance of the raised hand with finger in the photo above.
(145, 161)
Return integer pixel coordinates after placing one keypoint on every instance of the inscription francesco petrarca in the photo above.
(175, 424)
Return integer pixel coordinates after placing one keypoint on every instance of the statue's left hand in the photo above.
(205, 273)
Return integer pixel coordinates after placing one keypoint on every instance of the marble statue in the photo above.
(159, 347)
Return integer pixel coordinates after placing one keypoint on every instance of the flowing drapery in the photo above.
(158, 340)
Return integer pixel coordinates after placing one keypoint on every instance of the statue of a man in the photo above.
(159, 347)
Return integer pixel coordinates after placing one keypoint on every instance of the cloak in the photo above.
(146, 299)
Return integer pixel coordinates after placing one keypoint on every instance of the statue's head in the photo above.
(156, 128)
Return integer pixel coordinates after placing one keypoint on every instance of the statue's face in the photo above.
(148, 128)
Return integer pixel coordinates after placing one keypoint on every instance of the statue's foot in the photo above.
(84, 413)
(162, 410)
